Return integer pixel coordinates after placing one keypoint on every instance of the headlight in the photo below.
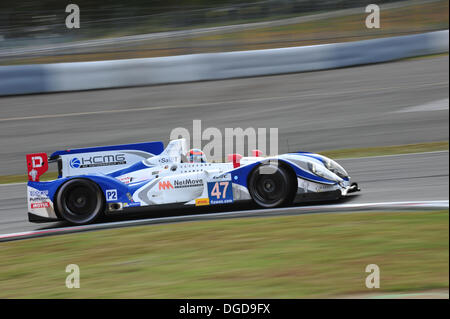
(313, 168)
(335, 168)
(321, 171)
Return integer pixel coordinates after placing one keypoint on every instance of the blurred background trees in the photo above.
(45, 18)
(35, 31)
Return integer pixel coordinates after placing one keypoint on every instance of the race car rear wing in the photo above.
(37, 164)
(90, 160)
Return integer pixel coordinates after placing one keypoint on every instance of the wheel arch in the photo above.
(55, 196)
(288, 168)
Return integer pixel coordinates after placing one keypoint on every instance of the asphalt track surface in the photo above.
(384, 104)
(409, 177)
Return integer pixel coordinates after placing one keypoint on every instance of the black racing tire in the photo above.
(271, 185)
(80, 201)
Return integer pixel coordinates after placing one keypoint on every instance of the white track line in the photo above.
(250, 100)
(13, 184)
(438, 105)
(441, 204)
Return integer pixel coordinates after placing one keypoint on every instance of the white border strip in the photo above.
(298, 210)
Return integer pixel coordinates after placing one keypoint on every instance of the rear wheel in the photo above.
(271, 185)
(80, 201)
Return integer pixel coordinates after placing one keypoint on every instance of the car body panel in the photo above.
(165, 179)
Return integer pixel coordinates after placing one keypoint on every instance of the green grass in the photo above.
(352, 152)
(6, 179)
(322, 255)
(422, 16)
(429, 56)
(387, 150)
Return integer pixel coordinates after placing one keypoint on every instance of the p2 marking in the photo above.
(111, 195)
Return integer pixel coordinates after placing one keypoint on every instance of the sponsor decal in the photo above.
(180, 183)
(38, 193)
(125, 180)
(97, 161)
(220, 192)
(165, 185)
(111, 195)
(40, 205)
(37, 161)
(164, 160)
(37, 198)
(134, 204)
(188, 182)
(324, 188)
(311, 187)
(33, 174)
(36, 165)
(201, 201)
(225, 177)
(75, 162)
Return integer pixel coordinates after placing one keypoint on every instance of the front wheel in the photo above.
(270, 185)
(80, 201)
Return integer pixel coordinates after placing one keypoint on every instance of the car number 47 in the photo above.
(216, 190)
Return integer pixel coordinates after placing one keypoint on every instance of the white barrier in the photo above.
(213, 66)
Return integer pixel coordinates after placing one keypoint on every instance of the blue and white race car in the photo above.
(97, 181)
